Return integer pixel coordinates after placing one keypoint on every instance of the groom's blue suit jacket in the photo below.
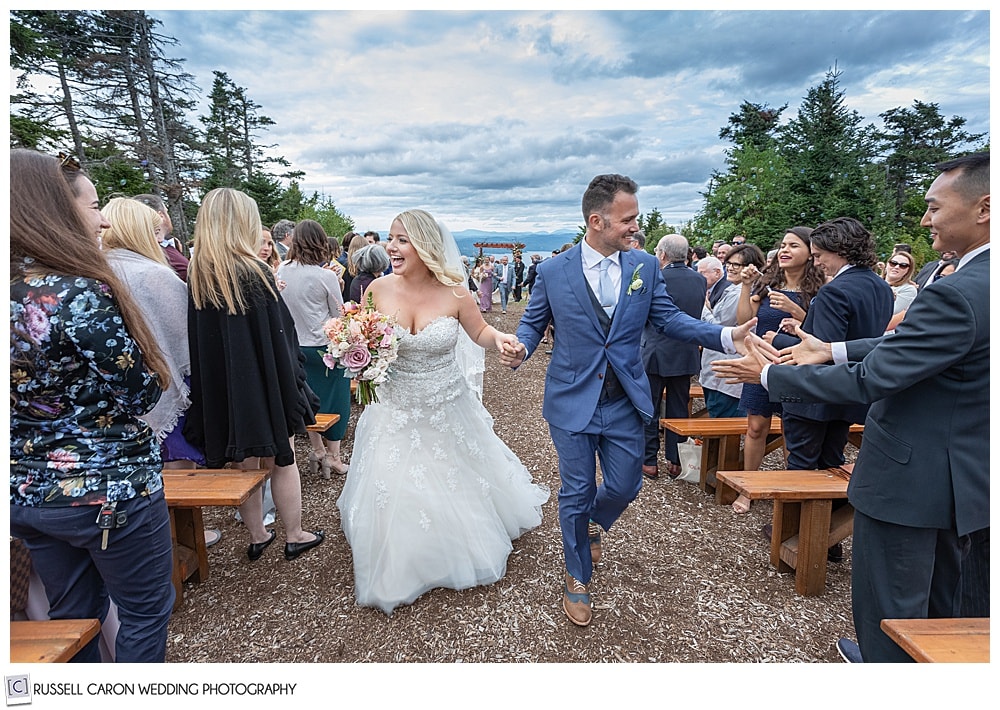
(582, 352)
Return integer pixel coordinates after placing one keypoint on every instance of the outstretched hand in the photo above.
(811, 351)
(748, 367)
(740, 333)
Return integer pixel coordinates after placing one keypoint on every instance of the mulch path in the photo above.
(683, 580)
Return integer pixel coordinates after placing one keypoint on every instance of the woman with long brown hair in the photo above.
(782, 290)
(86, 483)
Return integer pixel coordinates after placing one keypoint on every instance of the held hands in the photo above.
(511, 350)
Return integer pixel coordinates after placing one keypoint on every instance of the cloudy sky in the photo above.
(497, 120)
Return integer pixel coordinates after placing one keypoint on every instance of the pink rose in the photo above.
(357, 358)
(330, 361)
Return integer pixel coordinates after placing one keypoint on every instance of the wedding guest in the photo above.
(356, 242)
(267, 252)
(372, 261)
(248, 390)
(434, 497)
(312, 294)
(782, 290)
(84, 366)
(485, 279)
(898, 274)
(134, 253)
(164, 235)
(282, 233)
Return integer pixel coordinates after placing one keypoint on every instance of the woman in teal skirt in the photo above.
(313, 296)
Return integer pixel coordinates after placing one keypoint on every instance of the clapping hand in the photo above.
(811, 351)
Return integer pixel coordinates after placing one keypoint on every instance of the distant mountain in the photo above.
(534, 242)
(507, 236)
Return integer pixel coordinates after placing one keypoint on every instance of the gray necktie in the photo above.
(605, 290)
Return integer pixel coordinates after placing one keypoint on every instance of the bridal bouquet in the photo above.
(363, 342)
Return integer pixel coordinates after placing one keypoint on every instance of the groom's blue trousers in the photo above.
(616, 434)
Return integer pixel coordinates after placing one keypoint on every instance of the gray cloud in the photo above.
(499, 119)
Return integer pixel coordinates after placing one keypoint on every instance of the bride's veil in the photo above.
(471, 357)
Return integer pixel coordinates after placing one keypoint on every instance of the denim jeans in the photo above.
(135, 570)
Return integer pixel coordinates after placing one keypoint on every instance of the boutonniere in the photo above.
(636, 282)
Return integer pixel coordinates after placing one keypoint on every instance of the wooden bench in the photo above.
(803, 525)
(720, 442)
(941, 640)
(720, 448)
(324, 421)
(186, 491)
(50, 641)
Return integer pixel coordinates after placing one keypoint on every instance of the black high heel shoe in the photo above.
(294, 549)
(256, 549)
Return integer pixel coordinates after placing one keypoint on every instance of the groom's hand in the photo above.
(748, 367)
(740, 333)
(512, 353)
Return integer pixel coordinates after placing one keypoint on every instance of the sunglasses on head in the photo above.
(68, 160)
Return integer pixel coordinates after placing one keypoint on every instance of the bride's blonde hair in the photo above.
(428, 241)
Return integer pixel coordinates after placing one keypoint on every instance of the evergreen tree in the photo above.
(913, 141)
(831, 163)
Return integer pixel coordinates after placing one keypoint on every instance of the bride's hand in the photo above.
(511, 349)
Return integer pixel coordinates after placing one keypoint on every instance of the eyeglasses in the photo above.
(899, 265)
(68, 160)
(734, 265)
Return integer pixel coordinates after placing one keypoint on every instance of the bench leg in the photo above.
(814, 534)
(187, 532)
(784, 525)
(709, 464)
(729, 459)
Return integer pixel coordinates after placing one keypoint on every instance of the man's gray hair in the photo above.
(674, 247)
(709, 262)
(281, 229)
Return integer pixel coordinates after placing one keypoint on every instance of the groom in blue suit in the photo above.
(600, 295)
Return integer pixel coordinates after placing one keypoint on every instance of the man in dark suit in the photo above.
(518, 277)
(600, 294)
(855, 304)
(921, 483)
(670, 363)
(529, 280)
(931, 271)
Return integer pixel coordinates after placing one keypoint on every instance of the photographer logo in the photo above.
(18, 689)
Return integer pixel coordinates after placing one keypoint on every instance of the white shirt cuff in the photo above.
(763, 375)
(727, 340)
(839, 352)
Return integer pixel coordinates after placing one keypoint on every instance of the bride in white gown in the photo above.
(433, 497)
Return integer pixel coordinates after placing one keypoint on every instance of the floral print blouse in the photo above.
(77, 384)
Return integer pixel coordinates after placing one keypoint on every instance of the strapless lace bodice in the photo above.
(425, 373)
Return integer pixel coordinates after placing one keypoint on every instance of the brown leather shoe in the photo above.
(594, 533)
(650, 472)
(576, 601)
